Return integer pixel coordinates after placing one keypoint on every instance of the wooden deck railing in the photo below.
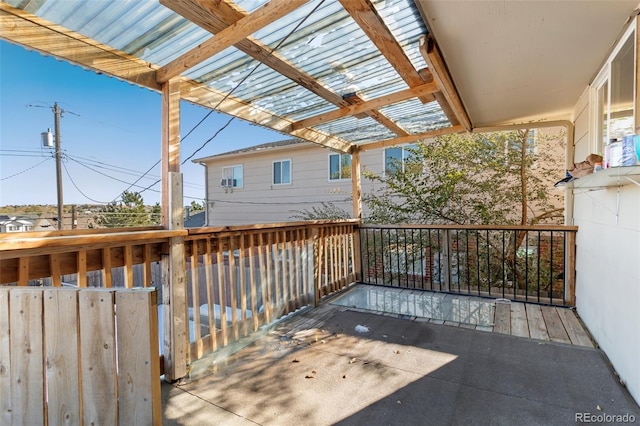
(237, 278)
(228, 282)
(241, 278)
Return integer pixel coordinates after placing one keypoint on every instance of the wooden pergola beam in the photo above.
(433, 57)
(229, 36)
(366, 106)
(366, 16)
(411, 138)
(219, 15)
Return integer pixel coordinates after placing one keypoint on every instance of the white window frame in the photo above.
(273, 165)
(339, 154)
(604, 77)
(233, 175)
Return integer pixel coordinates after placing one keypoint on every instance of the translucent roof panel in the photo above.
(318, 45)
(357, 130)
(416, 117)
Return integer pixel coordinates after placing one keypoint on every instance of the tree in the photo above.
(492, 178)
(129, 210)
(501, 178)
(196, 206)
(325, 211)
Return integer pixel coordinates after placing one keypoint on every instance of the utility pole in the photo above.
(57, 112)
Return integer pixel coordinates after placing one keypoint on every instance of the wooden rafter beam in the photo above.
(389, 99)
(433, 57)
(229, 36)
(366, 16)
(411, 138)
(216, 16)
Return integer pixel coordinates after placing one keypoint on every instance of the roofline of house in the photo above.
(288, 144)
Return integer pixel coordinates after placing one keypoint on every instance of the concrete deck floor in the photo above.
(316, 369)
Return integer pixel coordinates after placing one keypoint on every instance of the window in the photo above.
(613, 96)
(396, 157)
(282, 172)
(339, 166)
(232, 177)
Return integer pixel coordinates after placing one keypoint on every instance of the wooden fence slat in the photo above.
(146, 264)
(232, 289)
(221, 293)
(270, 282)
(23, 271)
(98, 363)
(252, 280)
(128, 266)
(5, 359)
(138, 365)
(82, 268)
(277, 282)
(243, 288)
(195, 299)
(106, 268)
(54, 265)
(208, 272)
(61, 346)
(26, 352)
(266, 305)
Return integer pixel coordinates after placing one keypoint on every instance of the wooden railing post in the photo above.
(174, 291)
(317, 279)
(356, 253)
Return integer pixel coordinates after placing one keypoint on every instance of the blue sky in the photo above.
(110, 134)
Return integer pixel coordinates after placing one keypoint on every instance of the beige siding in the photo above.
(608, 249)
(260, 201)
(582, 145)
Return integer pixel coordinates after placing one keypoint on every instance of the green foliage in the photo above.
(493, 178)
(196, 206)
(128, 211)
(326, 210)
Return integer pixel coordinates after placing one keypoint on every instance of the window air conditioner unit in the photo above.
(228, 183)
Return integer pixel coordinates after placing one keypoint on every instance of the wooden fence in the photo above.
(236, 279)
(241, 278)
(79, 356)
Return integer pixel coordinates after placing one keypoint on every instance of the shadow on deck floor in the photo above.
(316, 369)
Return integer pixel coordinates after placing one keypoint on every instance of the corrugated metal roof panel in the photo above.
(327, 44)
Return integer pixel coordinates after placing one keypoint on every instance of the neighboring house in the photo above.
(16, 223)
(278, 181)
(193, 220)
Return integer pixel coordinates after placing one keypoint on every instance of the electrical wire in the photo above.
(25, 170)
(294, 29)
(78, 189)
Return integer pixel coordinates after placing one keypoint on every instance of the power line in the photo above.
(76, 186)
(25, 170)
(294, 29)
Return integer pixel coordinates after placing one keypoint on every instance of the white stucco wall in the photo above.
(608, 264)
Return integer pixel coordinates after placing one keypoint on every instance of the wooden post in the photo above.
(356, 182)
(174, 292)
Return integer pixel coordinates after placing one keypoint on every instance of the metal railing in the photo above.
(525, 263)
